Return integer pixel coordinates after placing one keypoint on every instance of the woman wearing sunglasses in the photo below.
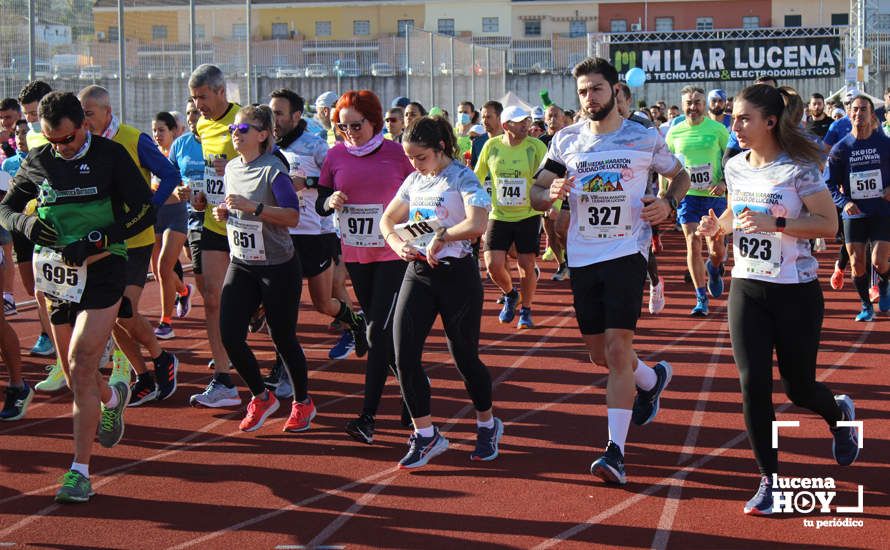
(440, 210)
(359, 177)
(260, 205)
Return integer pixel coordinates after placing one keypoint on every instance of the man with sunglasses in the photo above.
(395, 124)
(133, 331)
(89, 197)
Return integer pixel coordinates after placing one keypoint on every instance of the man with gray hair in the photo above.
(135, 330)
(324, 104)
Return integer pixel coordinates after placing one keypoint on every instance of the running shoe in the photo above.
(216, 395)
(701, 308)
(16, 404)
(43, 346)
(761, 504)
(166, 370)
(301, 414)
(361, 429)
(9, 308)
(257, 320)
(422, 449)
(561, 274)
(525, 319)
(656, 298)
(508, 313)
(120, 368)
(647, 402)
(111, 423)
(344, 346)
(837, 278)
(359, 329)
(275, 375)
(845, 446)
(499, 300)
(487, 440)
(284, 390)
(610, 466)
(75, 488)
(143, 391)
(867, 314)
(55, 379)
(548, 255)
(884, 297)
(164, 331)
(258, 410)
(184, 303)
(873, 293)
(715, 279)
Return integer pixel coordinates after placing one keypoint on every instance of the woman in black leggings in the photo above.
(778, 201)
(260, 205)
(431, 223)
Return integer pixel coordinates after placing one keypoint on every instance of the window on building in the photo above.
(751, 22)
(361, 27)
(446, 26)
(159, 32)
(618, 25)
(840, 19)
(199, 32)
(793, 20)
(322, 28)
(239, 31)
(664, 24)
(113, 33)
(405, 25)
(704, 23)
(490, 24)
(577, 27)
(533, 27)
(280, 31)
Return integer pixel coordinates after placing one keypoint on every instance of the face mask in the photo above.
(464, 118)
(35, 127)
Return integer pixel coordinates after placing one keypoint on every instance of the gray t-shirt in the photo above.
(251, 241)
(445, 196)
(776, 189)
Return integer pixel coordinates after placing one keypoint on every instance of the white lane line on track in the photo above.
(681, 474)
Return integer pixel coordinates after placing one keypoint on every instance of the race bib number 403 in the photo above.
(53, 277)
(700, 177)
(360, 225)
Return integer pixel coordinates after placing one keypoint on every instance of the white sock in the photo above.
(489, 424)
(645, 376)
(619, 423)
(425, 432)
(115, 399)
(83, 469)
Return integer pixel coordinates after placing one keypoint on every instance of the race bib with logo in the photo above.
(700, 177)
(214, 186)
(246, 239)
(418, 233)
(758, 253)
(53, 277)
(360, 225)
(867, 184)
(512, 191)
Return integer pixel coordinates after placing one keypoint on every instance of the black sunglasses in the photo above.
(354, 126)
(63, 141)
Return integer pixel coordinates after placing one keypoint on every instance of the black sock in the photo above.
(512, 294)
(44, 334)
(178, 270)
(224, 379)
(346, 315)
(861, 284)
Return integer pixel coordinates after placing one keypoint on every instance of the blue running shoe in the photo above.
(867, 314)
(43, 346)
(422, 449)
(646, 403)
(610, 466)
(701, 308)
(845, 446)
(761, 504)
(525, 318)
(16, 404)
(487, 440)
(508, 312)
(715, 279)
(884, 296)
(343, 347)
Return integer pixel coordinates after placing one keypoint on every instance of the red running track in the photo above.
(185, 477)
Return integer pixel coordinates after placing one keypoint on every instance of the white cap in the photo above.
(478, 129)
(838, 112)
(538, 113)
(852, 93)
(514, 113)
(327, 99)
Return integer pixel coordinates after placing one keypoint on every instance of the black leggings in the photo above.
(376, 286)
(455, 292)
(788, 318)
(277, 288)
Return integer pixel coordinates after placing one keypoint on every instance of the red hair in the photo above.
(365, 102)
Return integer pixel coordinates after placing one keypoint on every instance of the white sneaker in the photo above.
(656, 298)
(216, 395)
(55, 379)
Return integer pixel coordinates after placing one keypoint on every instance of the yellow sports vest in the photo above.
(129, 138)
(216, 142)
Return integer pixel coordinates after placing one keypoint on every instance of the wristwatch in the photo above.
(440, 233)
(95, 237)
(780, 224)
(259, 209)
